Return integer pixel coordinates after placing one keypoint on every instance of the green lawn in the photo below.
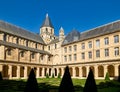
(52, 85)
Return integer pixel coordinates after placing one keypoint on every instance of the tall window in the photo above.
(65, 49)
(75, 57)
(22, 54)
(97, 53)
(116, 49)
(17, 41)
(106, 52)
(89, 44)
(83, 45)
(106, 41)
(83, 55)
(48, 47)
(97, 43)
(9, 52)
(65, 58)
(70, 48)
(4, 37)
(70, 58)
(116, 39)
(55, 46)
(90, 54)
(33, 55)
(75, 47)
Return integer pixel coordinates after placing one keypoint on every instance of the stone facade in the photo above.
(98, 49)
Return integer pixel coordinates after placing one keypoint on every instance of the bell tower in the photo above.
(47, 30)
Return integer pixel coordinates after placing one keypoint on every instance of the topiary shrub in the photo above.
(66, 84)
(31, 85)
(107, 78)
(1, 78)
(47, 76)
(90, 85)
(53, 75)
(59, 76)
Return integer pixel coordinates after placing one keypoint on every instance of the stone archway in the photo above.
(28, 70)
(100, 71)
(50, 72)
(40, 71)
(71, 71)
(84, 71)
(5, 71)
(111, 70)
(14, 71)
(21, 71)
(91, 67)
(77, 71)
(55, 72)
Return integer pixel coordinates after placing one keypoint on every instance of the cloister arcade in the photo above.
(17, 71)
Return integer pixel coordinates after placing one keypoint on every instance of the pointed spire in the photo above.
(61, 29)
(47, 22)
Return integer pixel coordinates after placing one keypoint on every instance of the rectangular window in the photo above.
(89, 44)
(9, 52)
(116, 49)
(97, 43)
(90, 54)
(106, 52)
(83, 45)
(70, 48)
(116, 39)
(22, 54)
(83, 55)
(97, 53)
(75, 47)
(33, 55)
(106, 41)
(65, 58)
(48, 47)
(17, 41)
(75, 57)
(65, 49)
(55, 46)
(70, 58)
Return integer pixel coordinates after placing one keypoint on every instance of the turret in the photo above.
(47, 30)
(61, 34)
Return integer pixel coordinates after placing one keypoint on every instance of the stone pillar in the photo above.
(116, 70)
(18, 72)
(105, 70)
(28, 56)
(2, 52)
(62, 70)
(17, 54)
(10, 71)
(38, 72)
(80, 72)
(74, 72)
(37, 57)
(57, 71)
(43, 71)
(87, 70)
(2, 36)
(96, 72)
(25, 72)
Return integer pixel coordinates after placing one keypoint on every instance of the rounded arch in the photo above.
(84, 71)
(92, 67)
(40, 72)
(28, 70)
(100, 71)
(14, 71)
(77, 71)
(5, 71)
(21, 71)
(55, 72)
(49, 71)
(111, 70)
(71, 71)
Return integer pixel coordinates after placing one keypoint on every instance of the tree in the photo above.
(1, 76)
(107, 77)
(31, 85)
(66, 84)
(90, 85)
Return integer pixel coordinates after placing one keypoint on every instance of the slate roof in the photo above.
(101, 30)
(14, 30)
(47, 22)
(13, 45)
(54, 41)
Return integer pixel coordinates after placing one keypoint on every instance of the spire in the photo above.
(47, 22)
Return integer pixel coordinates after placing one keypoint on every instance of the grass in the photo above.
(52, 85)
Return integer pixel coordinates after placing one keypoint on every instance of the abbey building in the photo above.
(21, 50)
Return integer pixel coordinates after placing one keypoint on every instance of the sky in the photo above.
(81, 15)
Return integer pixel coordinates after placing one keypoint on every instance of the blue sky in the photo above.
(70, 14)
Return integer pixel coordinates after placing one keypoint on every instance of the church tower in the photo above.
(61, 34)
(47, 30)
